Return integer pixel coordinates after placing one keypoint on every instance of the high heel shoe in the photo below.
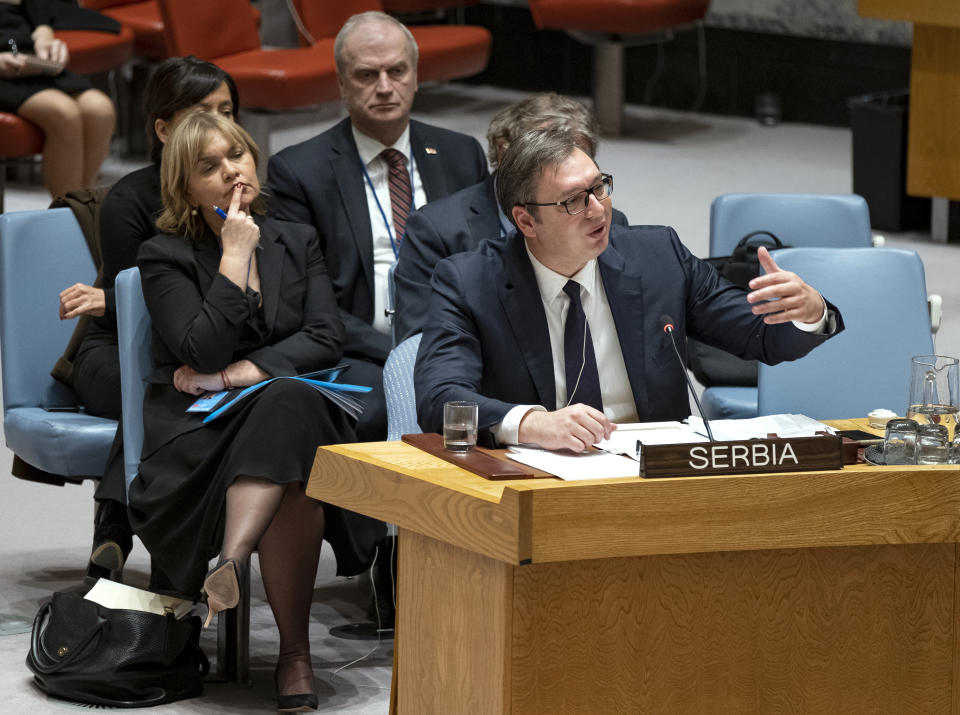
(299, 702)
(221, 588)
(112, 541)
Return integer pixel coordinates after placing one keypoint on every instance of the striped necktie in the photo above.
(401, 195)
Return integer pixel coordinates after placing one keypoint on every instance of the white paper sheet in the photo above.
(111, 594)
(568, 466)
(783, 426)
(625, 437)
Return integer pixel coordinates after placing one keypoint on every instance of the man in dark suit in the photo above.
(341, 183)
(566, 301)
(462, 220)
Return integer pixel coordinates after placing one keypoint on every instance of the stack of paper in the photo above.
(784, 426)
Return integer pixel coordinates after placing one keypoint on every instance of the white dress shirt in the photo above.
(618, 404)
(383, 252)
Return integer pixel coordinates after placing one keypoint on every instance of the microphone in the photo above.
(667, 322)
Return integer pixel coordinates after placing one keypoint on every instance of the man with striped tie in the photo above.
(357, 182)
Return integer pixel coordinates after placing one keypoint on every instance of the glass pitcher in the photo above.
(935, 391)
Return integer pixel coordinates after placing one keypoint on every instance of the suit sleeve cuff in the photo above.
(508, 431)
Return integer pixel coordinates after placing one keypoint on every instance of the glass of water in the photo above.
(935, 391)
(933, 445)
(900, 442)
(459, 426)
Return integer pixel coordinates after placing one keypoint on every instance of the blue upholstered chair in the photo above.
(882, 294)
(401, 420)
(799, 220)
(136, 364)
(398, 388)
(41, 253)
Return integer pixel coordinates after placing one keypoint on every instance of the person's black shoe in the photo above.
(297, 702)
(300, 703)
(112, 541)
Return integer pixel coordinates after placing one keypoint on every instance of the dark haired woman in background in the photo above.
(179, 86)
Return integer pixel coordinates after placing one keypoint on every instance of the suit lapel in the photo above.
(270, 258)
(483, 217)
(624, 291)
(430, 162)
(520, 298)
(345, 166)
(207, 253)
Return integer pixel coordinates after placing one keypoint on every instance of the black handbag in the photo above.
(88, 653)
(713, 366)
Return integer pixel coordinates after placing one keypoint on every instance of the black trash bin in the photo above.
(879, 125)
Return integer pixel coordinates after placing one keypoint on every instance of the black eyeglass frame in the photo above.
(605, 180)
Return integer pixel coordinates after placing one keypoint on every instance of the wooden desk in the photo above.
(808, 592)
(933, 153)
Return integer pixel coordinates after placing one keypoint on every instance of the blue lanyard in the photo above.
(383, 214)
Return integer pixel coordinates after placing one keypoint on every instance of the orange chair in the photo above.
(143, 17)
(446, 51)
(18, 139)
(412, 6)
(225, 33)
(611, 25)
(94, 52)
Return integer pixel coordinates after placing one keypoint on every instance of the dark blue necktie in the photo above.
(580, 363)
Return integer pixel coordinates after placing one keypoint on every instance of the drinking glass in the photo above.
(459, 426)
(935, 391)
(933, 447)
(900, 442)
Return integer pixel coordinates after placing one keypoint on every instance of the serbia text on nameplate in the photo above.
(799, 454)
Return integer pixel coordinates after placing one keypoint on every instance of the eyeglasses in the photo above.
(578, 203)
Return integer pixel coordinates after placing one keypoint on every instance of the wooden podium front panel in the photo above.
(859, 629)
(849, 629)
(454, 626)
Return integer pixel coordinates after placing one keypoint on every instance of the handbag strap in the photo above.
(774, 243)
(36, 652)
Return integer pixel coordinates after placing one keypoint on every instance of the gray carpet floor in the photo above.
(668, 168)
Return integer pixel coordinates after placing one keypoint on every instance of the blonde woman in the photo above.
(235, 301)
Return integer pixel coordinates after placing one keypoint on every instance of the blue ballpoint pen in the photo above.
(220, 212)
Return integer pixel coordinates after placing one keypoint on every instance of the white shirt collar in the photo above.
(551, 283)
(369, 148)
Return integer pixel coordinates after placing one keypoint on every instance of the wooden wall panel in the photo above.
(933, 163)
(925, 12)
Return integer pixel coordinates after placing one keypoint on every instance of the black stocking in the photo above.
(251, 506)
(289, 553)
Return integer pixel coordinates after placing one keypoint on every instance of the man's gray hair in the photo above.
(542, 111)
(525, 161)
(363, 18)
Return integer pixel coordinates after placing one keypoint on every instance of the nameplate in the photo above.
(754, 456)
